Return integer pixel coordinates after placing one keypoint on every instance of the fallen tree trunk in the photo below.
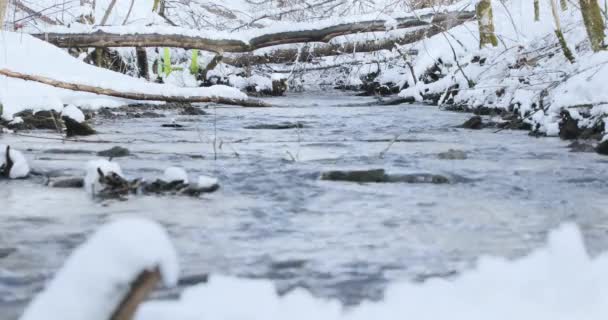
(132, 95)
(103, 39)
(309, 53)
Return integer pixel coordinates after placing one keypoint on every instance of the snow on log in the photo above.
(110, 274)
(133, 95)
(321, 31)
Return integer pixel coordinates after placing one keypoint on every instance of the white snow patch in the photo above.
(207, 182)
(99, 273)
(558, 282)
(71, 111)
(21, 168)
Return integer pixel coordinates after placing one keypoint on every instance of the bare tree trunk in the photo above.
(485, 20)
(537, 10)
(3, 5)
(563, 4)
(108, 12)
(592, 16)
(132, 95)
(142, 62)
(559, 33)
(87, 17)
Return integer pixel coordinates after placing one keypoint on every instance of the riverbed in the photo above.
(273, 218)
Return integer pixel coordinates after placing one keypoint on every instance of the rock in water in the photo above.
(74, 128)
(67, 182)
(114, 152)
(473, 123)
(452, 155)
(13, 164)
(362, 176)
(568, 127)
(277, 126)
(602, 148)
(577, 146)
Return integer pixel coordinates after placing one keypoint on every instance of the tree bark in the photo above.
(592, 16)
(132, 95)
(142, 63)
(102, 38)
(537, 10)
(3, 5)
(485, 20)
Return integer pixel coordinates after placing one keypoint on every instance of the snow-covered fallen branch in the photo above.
(132, 95)
(237, 42)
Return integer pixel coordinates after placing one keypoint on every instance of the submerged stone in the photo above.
(114, 152)
(474, 122)
(602, 148)
(67, 182)
(74, 128)
(373, 175)
(452, 154)
(276, 126)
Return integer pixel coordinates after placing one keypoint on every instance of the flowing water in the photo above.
(274, 219)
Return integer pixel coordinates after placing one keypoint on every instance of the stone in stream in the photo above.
(379, 176)
(172, 125)
(67, 151)
(75, 128)
(5, 252)
(67, 182)
(452, 154)
(114, 152)
(276, 126)
(568, 127)
(602, 148)
(419, 178)
(190, 110)
(474, 122)
(361, 176)
(578, 146)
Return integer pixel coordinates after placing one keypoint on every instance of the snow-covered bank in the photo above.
(527, 73)
(559, 281)
(25, 54)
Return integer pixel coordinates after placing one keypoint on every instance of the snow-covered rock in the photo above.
(172, 174)
(91, 179)
(20, 168)
(97, 276)
(205, 182)
(71, 111)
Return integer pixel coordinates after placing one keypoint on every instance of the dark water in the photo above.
(273, 218)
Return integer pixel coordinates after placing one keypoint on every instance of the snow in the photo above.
(91, 179)
(21, 168)
(206, 182)
(559, 281)
(175, 174)
(71, 111)
(98, 274)
(26, 54)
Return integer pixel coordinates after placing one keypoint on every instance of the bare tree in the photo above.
(592, 16)
(3, 5)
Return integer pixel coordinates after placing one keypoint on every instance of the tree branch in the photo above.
(132, 95)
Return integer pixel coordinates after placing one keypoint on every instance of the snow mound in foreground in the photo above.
(97, 276)
(26, 54)
(559, 281)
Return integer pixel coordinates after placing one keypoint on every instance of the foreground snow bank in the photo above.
(97, 276)
(26, 54)
(559, 281)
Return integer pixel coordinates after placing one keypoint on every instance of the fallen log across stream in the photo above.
(239, 43)
(134, 95)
